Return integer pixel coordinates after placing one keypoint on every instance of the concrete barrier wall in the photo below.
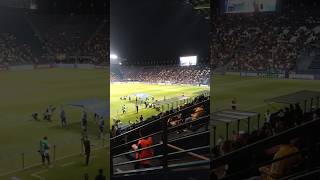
(21, 67)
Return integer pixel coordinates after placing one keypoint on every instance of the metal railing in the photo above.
(167, 152)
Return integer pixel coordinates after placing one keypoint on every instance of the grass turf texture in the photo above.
(251, 93)
(24, 92)
(158, 91)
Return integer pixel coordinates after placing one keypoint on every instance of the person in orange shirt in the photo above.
(198, 112)
(145, 153)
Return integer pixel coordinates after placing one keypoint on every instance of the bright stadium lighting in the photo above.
(120, 63)
(188, 60)
(113, 56)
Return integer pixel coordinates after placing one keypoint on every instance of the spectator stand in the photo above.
(229, 117)
(304, 96)
(251, 152)
(172, 151)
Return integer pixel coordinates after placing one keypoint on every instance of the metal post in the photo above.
(165, 144)
(311, 103)
(22, 155)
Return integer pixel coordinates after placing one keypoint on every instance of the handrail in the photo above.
(160, 119)
(139, 160)
(188, 136)
(262, 144)
(189, 150)
(139, 170)
(133, 141)
(149, 147)
(307, 174)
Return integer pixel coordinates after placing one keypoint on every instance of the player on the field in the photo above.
(137, 107)
(101, 127)
(123, 109)
(63, 117)
(87, 149)
(35, 116)
(44, 150)
(84, 120)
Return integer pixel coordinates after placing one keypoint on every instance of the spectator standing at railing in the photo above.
(144, 153)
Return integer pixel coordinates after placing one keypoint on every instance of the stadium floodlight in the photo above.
(113, 56)
(120, 63)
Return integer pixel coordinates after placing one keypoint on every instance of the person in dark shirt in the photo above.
(87, 149)
(100, 176)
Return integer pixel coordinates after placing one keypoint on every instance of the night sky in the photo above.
(157, 29)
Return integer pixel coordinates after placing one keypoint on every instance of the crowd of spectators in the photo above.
(275, 123)
(265, 41)
(167, 74)
(13, 52)
(62, 38)
(75, 36)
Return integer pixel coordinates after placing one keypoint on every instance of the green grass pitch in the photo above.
(24, 92)
(251, 93)
(158, 91)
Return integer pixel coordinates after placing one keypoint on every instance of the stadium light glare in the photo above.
(120, 63)
(113, 56)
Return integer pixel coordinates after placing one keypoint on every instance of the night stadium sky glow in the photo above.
(157, 29)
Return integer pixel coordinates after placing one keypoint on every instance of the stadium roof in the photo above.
(295, 97)
(229, 116)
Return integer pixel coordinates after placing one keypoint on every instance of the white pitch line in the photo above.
(67, 164)
(36, 174)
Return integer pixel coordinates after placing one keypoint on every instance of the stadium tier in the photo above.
(50, 38)
(195, 75)
(274, 42)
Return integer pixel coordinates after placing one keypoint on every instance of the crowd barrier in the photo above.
(49, 66)
(274, 75)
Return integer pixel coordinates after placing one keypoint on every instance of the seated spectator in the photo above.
(282, 167)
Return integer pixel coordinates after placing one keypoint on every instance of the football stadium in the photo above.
(160, 88)
(54, 90)
(264, 102)
(265, 90)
